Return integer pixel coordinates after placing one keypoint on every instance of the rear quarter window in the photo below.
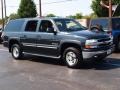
(14, 26)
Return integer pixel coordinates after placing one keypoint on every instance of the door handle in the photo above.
(24, 36)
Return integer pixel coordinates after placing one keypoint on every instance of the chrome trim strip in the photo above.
(29, 45)
(43, 55)
(40, 45)
(47, 47)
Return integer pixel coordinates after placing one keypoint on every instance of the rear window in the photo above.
(103, 22)
(116, 23)
(14, 26)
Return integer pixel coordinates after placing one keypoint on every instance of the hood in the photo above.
(90, 34)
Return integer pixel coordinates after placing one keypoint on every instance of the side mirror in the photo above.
(51, 30)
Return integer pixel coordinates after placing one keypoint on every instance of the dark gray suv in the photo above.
(55, 38)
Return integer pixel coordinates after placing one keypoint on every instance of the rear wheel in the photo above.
(16, 51)
(72, 57)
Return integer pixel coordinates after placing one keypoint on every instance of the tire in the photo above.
(16, 52)
(72, 57)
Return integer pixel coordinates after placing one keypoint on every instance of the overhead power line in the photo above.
(62, 1)
(59, 1)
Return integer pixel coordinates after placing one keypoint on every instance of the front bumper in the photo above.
(88, 55)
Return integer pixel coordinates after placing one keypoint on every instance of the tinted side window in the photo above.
(103, 22)
(31, 26)
(116, 23)
(14, 25)
(45, 24)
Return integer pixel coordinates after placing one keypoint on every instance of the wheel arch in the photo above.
(11, 42)
(69, 44)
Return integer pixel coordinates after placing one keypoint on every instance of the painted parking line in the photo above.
(5, 50)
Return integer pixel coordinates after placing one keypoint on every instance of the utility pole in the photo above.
(110, 8)
(110, 11)
(110, 14)
(5, 8)
(2, 14)
(40, 8)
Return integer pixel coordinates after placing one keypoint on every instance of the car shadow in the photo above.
(44, 60)
(111, 63)
(108, 64)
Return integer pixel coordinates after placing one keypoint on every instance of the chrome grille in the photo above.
(105, 42)
(104, 39)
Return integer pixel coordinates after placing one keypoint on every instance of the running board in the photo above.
(42, 55)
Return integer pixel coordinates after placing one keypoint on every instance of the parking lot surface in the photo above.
(37, 73)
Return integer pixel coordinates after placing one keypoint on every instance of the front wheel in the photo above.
(16, 51)
(72, 57)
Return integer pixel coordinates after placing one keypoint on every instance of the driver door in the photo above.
(47, 44)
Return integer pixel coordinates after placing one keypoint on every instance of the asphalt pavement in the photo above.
(37, 73)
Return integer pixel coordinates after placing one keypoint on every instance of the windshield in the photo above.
(68, 25)
(104, 23)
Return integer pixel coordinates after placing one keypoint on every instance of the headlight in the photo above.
(91, 43)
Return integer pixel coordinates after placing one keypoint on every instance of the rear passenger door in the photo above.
(29, 36)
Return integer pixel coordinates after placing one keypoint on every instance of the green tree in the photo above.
(4, 20)
(71, 16)
(101, 11)
(93, 15)
(78, 16)
(13, 16)
(27, 9)
(50, 15)
(1, 21)
(90, 16)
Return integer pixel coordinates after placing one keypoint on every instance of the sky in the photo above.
(70, 7)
